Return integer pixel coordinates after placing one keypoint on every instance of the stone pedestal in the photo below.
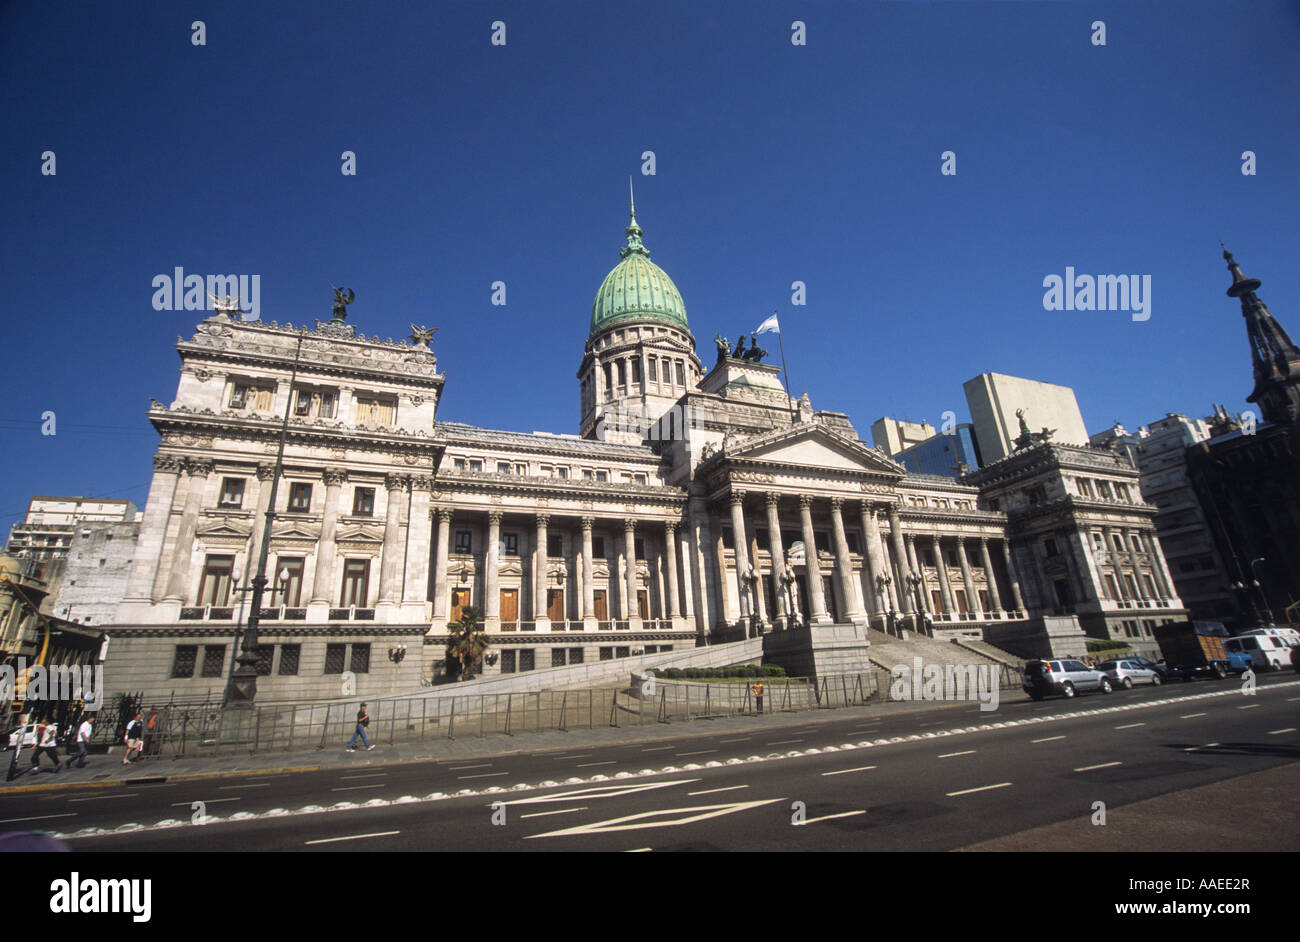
(819, 650)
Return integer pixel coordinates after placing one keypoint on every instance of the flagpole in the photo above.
(785, 373)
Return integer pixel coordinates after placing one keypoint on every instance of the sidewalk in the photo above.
(107, 770)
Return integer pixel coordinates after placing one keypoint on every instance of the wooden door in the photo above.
(602, 607)
(961, 600)
(643, 603)
(555, 604)
(459, 600)
(509, 607)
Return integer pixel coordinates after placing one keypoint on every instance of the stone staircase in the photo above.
(888, 652)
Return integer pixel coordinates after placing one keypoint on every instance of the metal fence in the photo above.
(202, 728)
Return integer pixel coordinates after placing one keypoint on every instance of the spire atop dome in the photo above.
(637, 289)
(1275, 357)
(634, 245)
(1240, 283)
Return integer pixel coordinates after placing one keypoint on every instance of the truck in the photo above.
(1194, 649)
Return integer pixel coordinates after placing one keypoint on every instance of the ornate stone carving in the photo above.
(422, 482)
(334, 476)
(167, 464)
(198, 467)
(397, 482)
(494, 516)
(265, 472)
(445, 513)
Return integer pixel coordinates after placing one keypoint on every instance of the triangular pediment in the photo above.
(295, 531)
(223, 530)
(814, 446)
(359, 535)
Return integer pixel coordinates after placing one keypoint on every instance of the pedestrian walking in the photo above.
(133, 738)
(47, 740)
(152, 728)
(363, 720)
(758, 695)
(82, 742)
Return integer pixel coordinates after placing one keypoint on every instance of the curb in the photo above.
(152, 780)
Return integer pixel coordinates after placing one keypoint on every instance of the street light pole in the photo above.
(1262, 596)
(243, 683)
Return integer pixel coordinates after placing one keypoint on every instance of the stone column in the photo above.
(688, 578)
(326, 548)
(844, 566)
(817, 614)
(393, 550)
(588, 578)
(629, 550)
(922, 590)
(147, 580)
(539, 575)
(945, 587)
(972, 598)
(742, 556)
(1137, 567)
(492, 571)
(441, 608)
(871, 557)
(1156, 552)
(670, 551)
(197, 470)
(758, 599)
(264, 474)
(720, 562)
(418, 539)
(900, 560)
(776, 547)
(1017, 599)
(1116, 557)
(995, 598)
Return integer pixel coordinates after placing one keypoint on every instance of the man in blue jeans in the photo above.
(363, 720)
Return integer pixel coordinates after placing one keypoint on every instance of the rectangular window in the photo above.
(638, 479)
(598, 547)
(852, 539)
(326, 406)
(681, 374)
(184, 659)
(587, 474)
(508, 661)
(654, 373)
(575, 655)
(356, 583)
(299, 498)
(214, 659)
(559, 657)
(607, 654)
(1049, 546)
(464, 541)
(622, 652)
(638, 547)
(293, 585)
(302, 403)
(503, 467)
(238, 396)
(475, 464)
(822, 541)
(728, 538)
(521, 470)
(554, 545)
(289, 656)
(265, 658)
(214, 589)
(363, 502)
(232, 492)
(372, 410)
(458, 464)
(361, 659)
(562, 473)
(334, 658)
(511, 541)
(527, 660)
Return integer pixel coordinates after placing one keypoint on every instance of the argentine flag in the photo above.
(770, 324)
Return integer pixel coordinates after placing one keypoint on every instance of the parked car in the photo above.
(1268, 649)
(1160, 667)
(1125, 672)
(1065, 676)
(28, 734)
(1198, 649)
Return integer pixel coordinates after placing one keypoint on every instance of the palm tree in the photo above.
(468, 641)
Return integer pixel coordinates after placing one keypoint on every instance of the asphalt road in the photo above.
(763, 790)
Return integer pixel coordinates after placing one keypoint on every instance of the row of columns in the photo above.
(893, 580)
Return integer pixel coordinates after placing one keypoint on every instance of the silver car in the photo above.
(1065, 676)
(1126, 673)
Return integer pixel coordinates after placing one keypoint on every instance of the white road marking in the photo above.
(588, 765)
(741, 739)
(353, 788)
(1279, 732)
(829, 817)
(1188, 716)
(1130, 725)
(865, 768)
(251, 785)
(637, 850)
(460, 768)
(482, 775)
(710, 791)
(353, 837)
(206, 801)
(1208, 745)
(982, 788)
(345, 778)
(1048, 739)
(949, 755)
(1104, 765)
(639, 821)
(1250, 706)
(542, 814)
(658, 748)
(581, 755)
(783, 742)
(39, 817)
(104, 797)
(602, 791)
(702, 752)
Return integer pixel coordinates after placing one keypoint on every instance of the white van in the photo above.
(1269, 648)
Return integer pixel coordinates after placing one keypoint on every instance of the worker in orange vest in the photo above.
(758, 694)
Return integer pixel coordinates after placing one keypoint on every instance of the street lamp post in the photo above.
(243, 683)
(1262, 596)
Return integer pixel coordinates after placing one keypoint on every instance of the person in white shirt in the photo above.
(47, 738)
(84, 732)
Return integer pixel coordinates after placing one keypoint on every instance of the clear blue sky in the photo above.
(775, 163)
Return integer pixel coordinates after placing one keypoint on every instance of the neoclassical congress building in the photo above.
(699, 503)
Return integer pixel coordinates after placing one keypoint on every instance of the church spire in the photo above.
(634, 245)
(1275, 358)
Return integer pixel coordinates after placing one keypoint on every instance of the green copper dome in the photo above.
(637, 290)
